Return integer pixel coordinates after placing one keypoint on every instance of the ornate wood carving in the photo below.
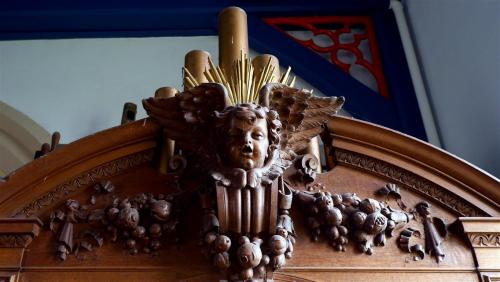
(139, 222)
(244, 149)
(96, 174)
(435, 230)
(245, 168)
(15, 240)
(18, 232)
(343, 216)
(405, 243)
(409, 179)
(484, 236)
(484, 240)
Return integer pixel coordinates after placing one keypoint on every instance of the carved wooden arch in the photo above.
(446, 181)
(436, 174)
(48, 181)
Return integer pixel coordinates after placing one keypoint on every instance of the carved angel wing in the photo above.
(301, 114)
(186, 116)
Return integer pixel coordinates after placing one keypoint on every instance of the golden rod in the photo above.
(208, 76)
(292, 83)
(260, 80)
(196, 61)
(233, 36)
(261, 61)
(284, 78)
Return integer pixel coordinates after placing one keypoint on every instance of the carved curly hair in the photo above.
(250, 112)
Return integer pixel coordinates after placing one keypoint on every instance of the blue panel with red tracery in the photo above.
(346, 41)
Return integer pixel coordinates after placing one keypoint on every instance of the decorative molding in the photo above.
(139, 223)
(15, 240)
(103, 171)
(484, 237)
(409, 179)
(18, 232)
(484, 240)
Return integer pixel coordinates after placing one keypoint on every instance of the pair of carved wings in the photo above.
(188, 118)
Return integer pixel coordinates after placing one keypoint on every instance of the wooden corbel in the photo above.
(15, 236)
(18, 232)
(484, 236)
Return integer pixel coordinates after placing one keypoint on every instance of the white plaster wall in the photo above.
(79, 86)
(458, 43)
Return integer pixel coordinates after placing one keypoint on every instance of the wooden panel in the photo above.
(48, 274)
(354, 274)
(10, 258)
(314, 260)
(319, 254)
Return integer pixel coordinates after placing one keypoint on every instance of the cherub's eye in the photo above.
(258, 135)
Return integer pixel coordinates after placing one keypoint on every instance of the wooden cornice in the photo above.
(18, 232)
(40, 176)
(46, 181)
(420, 158)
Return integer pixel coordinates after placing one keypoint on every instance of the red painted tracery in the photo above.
(346, 25)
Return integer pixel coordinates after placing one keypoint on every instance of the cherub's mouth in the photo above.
(247, 150)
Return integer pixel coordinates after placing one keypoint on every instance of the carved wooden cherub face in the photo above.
(247, 135)
(247, 141)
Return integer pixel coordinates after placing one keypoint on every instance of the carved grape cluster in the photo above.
(140, 222)
(336, 216)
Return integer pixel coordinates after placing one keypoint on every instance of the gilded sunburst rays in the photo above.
(243, 82)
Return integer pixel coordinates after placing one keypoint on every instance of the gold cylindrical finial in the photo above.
(168, 145)
(196, 62)
(165, 92)
(233, 37)
(260, 62)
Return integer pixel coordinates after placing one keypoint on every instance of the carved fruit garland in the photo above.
(139, 223)
(142, 223)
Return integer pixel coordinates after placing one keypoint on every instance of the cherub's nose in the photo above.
(247, 140)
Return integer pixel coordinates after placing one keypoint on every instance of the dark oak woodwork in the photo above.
(311, 261)
(240, 202)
